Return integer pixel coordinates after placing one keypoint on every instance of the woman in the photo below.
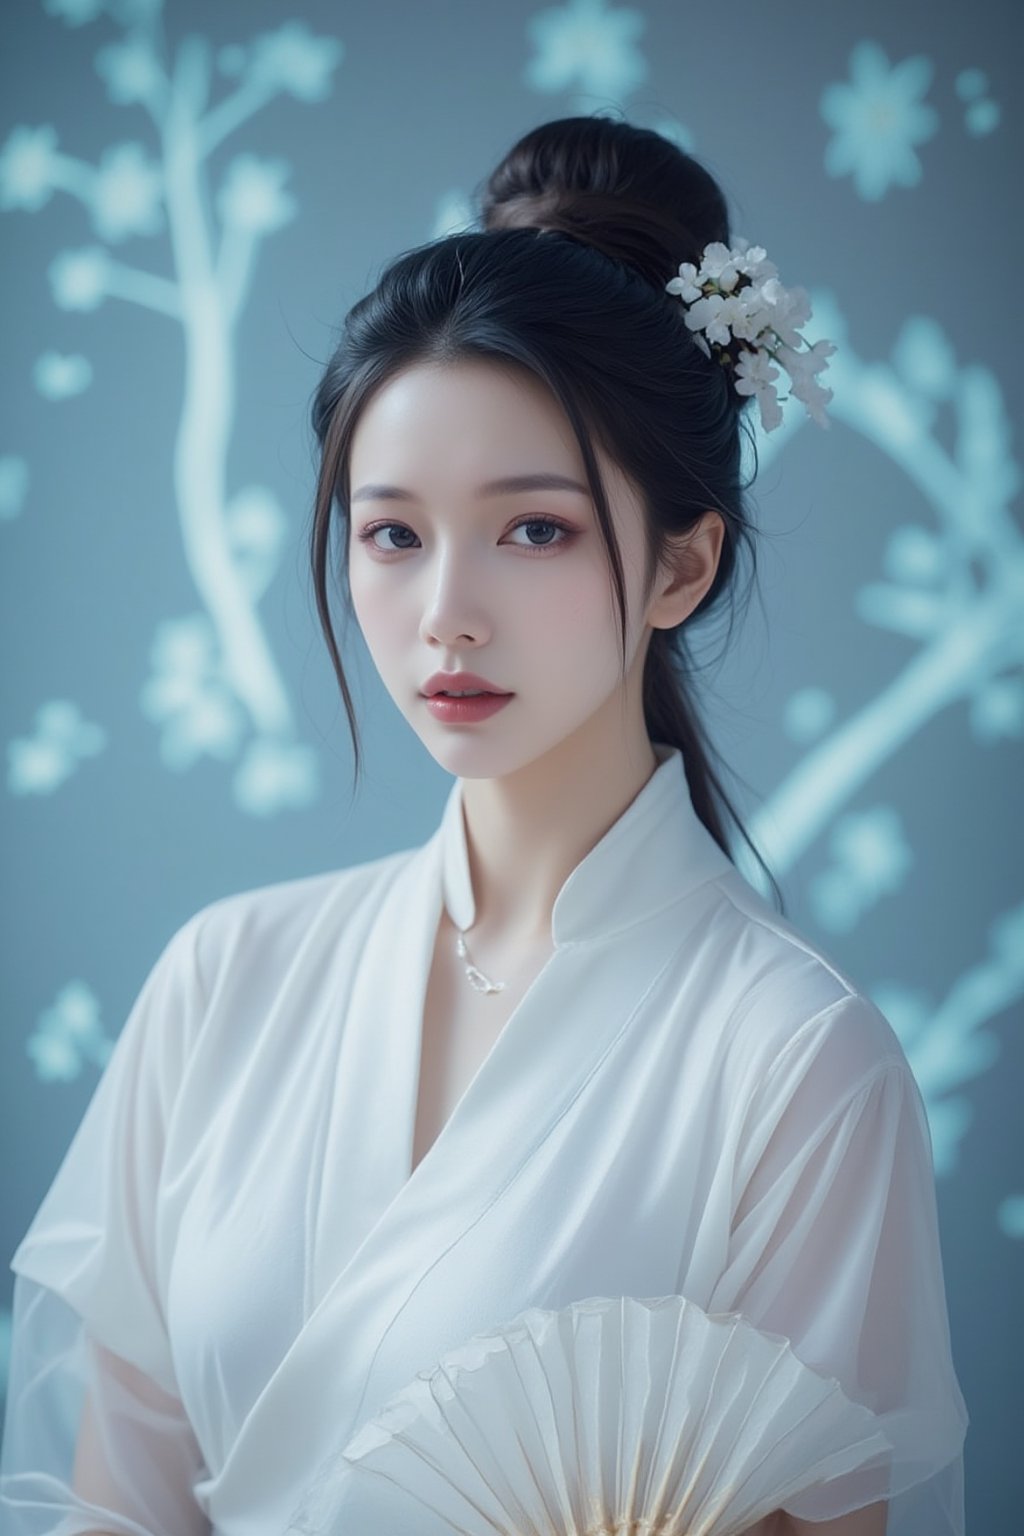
(561, 1050)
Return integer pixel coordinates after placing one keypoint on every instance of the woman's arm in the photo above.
(835, 1247)
(146, 1480)
(91, 1477)
(869, 1521)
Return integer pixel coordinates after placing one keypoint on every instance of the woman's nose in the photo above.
(455, 609)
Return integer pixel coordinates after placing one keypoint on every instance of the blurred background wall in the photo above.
(172, 731)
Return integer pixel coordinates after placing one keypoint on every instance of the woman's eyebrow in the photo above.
(508, 486)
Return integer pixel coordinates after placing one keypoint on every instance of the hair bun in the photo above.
(627, 191)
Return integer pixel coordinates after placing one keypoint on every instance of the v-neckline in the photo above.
(383, 1052)
(379, 1229)
(418, 1043)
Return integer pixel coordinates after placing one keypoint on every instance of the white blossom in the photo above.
(686, 284)
(761, 312)
(720, 266)
(753, 261)
(712, 316)
(755, 375)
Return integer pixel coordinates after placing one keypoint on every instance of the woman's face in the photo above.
(448, 578)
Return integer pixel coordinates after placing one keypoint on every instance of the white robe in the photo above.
(691, 1098)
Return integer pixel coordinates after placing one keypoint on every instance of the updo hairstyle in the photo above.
(582, 223)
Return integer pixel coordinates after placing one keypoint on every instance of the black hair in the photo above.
(582, 223)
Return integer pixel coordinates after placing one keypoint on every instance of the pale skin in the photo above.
(92, 1478)
(532, 610)
(450, 578)
(538, 620)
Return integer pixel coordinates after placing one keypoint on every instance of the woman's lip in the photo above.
(460, 681)
(457, 711)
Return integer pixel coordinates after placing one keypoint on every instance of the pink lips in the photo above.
(467, 711)
(460, 681)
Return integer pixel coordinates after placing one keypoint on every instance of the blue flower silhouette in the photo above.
(585, 44)
(878, 118)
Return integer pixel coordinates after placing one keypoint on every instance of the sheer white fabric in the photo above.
(91, 1442)
(95, 1441)
(235, 1265)
(835, 1246)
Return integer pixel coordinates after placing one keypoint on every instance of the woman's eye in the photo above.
(533, 523)
(369, 535)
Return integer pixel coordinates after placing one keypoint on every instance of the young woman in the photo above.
(563, 1049)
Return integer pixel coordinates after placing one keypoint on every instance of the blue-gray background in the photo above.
(172, 729)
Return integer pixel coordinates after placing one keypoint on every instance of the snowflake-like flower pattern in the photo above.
(291, 59)
(38, 764)
(252, 197)
(28, 166)
(79, 279)
(878, 118)
(127, 194)
(132, 72)
(587, 44)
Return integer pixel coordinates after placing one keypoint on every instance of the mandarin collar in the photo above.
(655, 853)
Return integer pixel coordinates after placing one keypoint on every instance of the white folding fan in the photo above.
(614, 1416)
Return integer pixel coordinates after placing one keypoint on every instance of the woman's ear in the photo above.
(687, 570)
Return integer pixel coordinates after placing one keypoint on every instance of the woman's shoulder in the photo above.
(787, 997)
(279, 917)
(304, 893)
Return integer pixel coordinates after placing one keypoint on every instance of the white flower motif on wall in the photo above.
(216, 688)
(59, 376)
(291, 59)
(68, 1035)
(80, 279)
(37, 764)
(28, 167)
(252, 197)
(870, 859)
(587, 44)
(127, 194)
(132, 72)
(878, 118)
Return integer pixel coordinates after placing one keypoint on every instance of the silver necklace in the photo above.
(475, 977)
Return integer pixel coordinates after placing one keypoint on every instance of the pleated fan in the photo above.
(613, 1416)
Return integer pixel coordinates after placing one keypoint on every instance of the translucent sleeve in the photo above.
(835, 1245)
(95, 1435)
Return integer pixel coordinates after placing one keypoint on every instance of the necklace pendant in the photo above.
(480, 981)
(474, 976)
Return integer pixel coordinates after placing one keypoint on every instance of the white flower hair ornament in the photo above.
(736, 300)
